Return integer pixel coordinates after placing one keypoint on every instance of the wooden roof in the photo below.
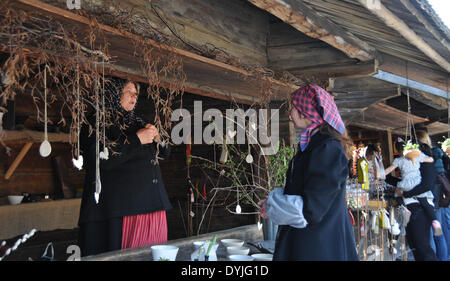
(348, 41)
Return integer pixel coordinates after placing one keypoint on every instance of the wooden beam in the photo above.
(409, 83)
(18, 159)
(418, 14)
(347, 70)
(205, 76)
(391, 20)
(364, 84)
(390, 147)
(306, 20)
(33, 136)
(382, 117)
(414, 71)
(433, 101)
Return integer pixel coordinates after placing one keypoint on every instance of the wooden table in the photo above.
(43, 216)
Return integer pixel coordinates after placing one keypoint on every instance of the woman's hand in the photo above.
(263, 204)
(155, 132)
(399, 192)
(146, 135)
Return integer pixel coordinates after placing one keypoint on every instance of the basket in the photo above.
(412, 154)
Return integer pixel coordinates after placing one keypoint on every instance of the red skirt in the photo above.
(144, 230)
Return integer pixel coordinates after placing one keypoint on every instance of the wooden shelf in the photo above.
(34, 136)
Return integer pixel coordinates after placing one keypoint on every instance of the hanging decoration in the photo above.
(98, 184)
(410, 150)
(104, 154)
(78, 161)
(45, 149)
(363, 173)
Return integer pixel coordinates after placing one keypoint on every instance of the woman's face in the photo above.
(129, 97)
(300, 121)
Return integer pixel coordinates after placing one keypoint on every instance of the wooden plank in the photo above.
(382, 117)
(34, 136)
(390, 146)
(438, 128)
(418, 14)
(199, 81)
(356, 69)
(18, 159)
(416, 72)
(369, 28)
(306, 20)
(364, 84)
(390, 19)
(295, 57)
(433, 101)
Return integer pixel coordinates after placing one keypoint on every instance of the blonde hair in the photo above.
(423, 137)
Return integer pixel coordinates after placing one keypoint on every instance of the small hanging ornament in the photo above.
(78, 162)
(98, 185)
(238, 209)
(249, 158)
(260, 225)
(45, 149)
(223, 154)
(105, 153)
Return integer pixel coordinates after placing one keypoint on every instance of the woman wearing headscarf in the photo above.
(130, 209)
(315, 185)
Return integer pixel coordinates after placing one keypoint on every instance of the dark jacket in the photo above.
(318, 175)
(131, 179)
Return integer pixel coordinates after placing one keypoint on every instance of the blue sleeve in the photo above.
(285, 209)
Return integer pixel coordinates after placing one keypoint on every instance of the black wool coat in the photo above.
(318, 175)
(131, 178)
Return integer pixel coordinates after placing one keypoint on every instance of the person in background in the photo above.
(440, 244)
(317, 174)
(410, 174)
(131, 210)
(376, 168)
(419, 226)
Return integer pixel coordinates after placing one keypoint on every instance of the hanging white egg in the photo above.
(238, 209)
(249, 158)
(45, 149)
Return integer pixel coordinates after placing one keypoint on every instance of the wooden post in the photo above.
(390, 147)
(18, 159)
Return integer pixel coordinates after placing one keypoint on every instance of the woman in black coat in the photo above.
(131, 206)
(317, 174)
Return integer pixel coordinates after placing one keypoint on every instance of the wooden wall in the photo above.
(234, 26)
(37, 175)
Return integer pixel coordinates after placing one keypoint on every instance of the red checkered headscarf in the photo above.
(317, 105)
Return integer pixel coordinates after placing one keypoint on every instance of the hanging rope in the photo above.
(410, 130)
(448, 111)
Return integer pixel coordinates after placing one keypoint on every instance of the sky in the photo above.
(442, 8)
